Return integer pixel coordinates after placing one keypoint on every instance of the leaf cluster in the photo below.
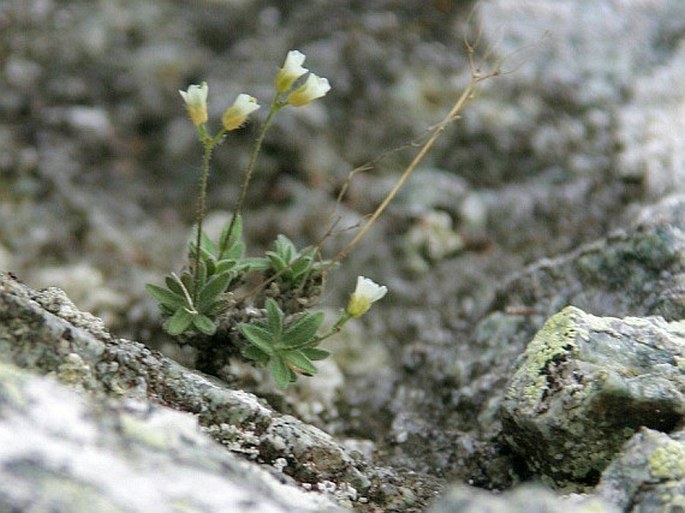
(293, 267)
(193, 300)
(286, 348)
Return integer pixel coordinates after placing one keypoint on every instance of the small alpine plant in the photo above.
(271, 327)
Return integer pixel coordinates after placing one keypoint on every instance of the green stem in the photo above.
(201, 207)
(344, 317)
(247, 176)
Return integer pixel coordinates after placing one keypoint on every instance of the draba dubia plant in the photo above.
(272, 324)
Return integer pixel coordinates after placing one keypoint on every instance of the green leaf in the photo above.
(258, 336)
(166, 297)
(179, 322)
(187, 280)
(204, 324)
(303, 331)
(208, 244)
(227, 240)
(315, 354)
(256, 263)
(219, 306)
(277, 261)
(234, 251)
(280, 371)
(254, 353)
(274, 318)
(300, 361)
(174, 286)
(300, 266)
(226, 265)
(202, 275)
(211, 290)
(285, 248)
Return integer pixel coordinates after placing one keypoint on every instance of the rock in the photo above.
(649, 473)
(44, 332)
(630, 272)
(586, 384)
(64, 452)
(524, 499)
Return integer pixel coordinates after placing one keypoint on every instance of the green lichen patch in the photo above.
(668, 461)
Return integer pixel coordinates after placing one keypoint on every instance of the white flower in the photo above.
(196, 103)
(315, 87)
(366, 293)
(237, 113)
(292, 70)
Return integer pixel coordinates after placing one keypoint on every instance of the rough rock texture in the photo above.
(649, 474)
(631, 272)
(585, 384)
(63, 452)
(525, 499)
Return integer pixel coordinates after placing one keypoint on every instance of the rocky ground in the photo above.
(530, 355)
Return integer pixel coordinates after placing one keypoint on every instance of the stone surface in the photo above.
(648, 475)
(585, 384)
(523, 499)
(64, 452)
(44, 332)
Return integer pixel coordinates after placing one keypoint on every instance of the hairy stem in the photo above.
(201, 207)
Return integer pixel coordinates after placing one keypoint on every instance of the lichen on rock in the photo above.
(585, 385)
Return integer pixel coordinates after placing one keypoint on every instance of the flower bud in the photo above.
(196, 103)
(236, 114)
(292, 70)
(366, 293)
(315, 87)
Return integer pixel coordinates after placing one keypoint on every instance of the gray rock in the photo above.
(65, 453)
(44, 332)
(586, 384)
(523, 499)
(648, 475)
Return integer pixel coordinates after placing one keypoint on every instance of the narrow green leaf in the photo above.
(276, 260)
(285, 248)
(166, 297)
(204, 324)
(300, 266)
(302, 331)
(187, 280)
(258, 336)
(280, 371)
(179, 322)
(211, 290)
(256, 263)
(208, 244)
(229, 239)
(234, 251)
(225, 265)
(174, 286)
(274, 318)
(202, 275)
(315, 354)
(254, 353)
(300, 361)
(220, 305)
